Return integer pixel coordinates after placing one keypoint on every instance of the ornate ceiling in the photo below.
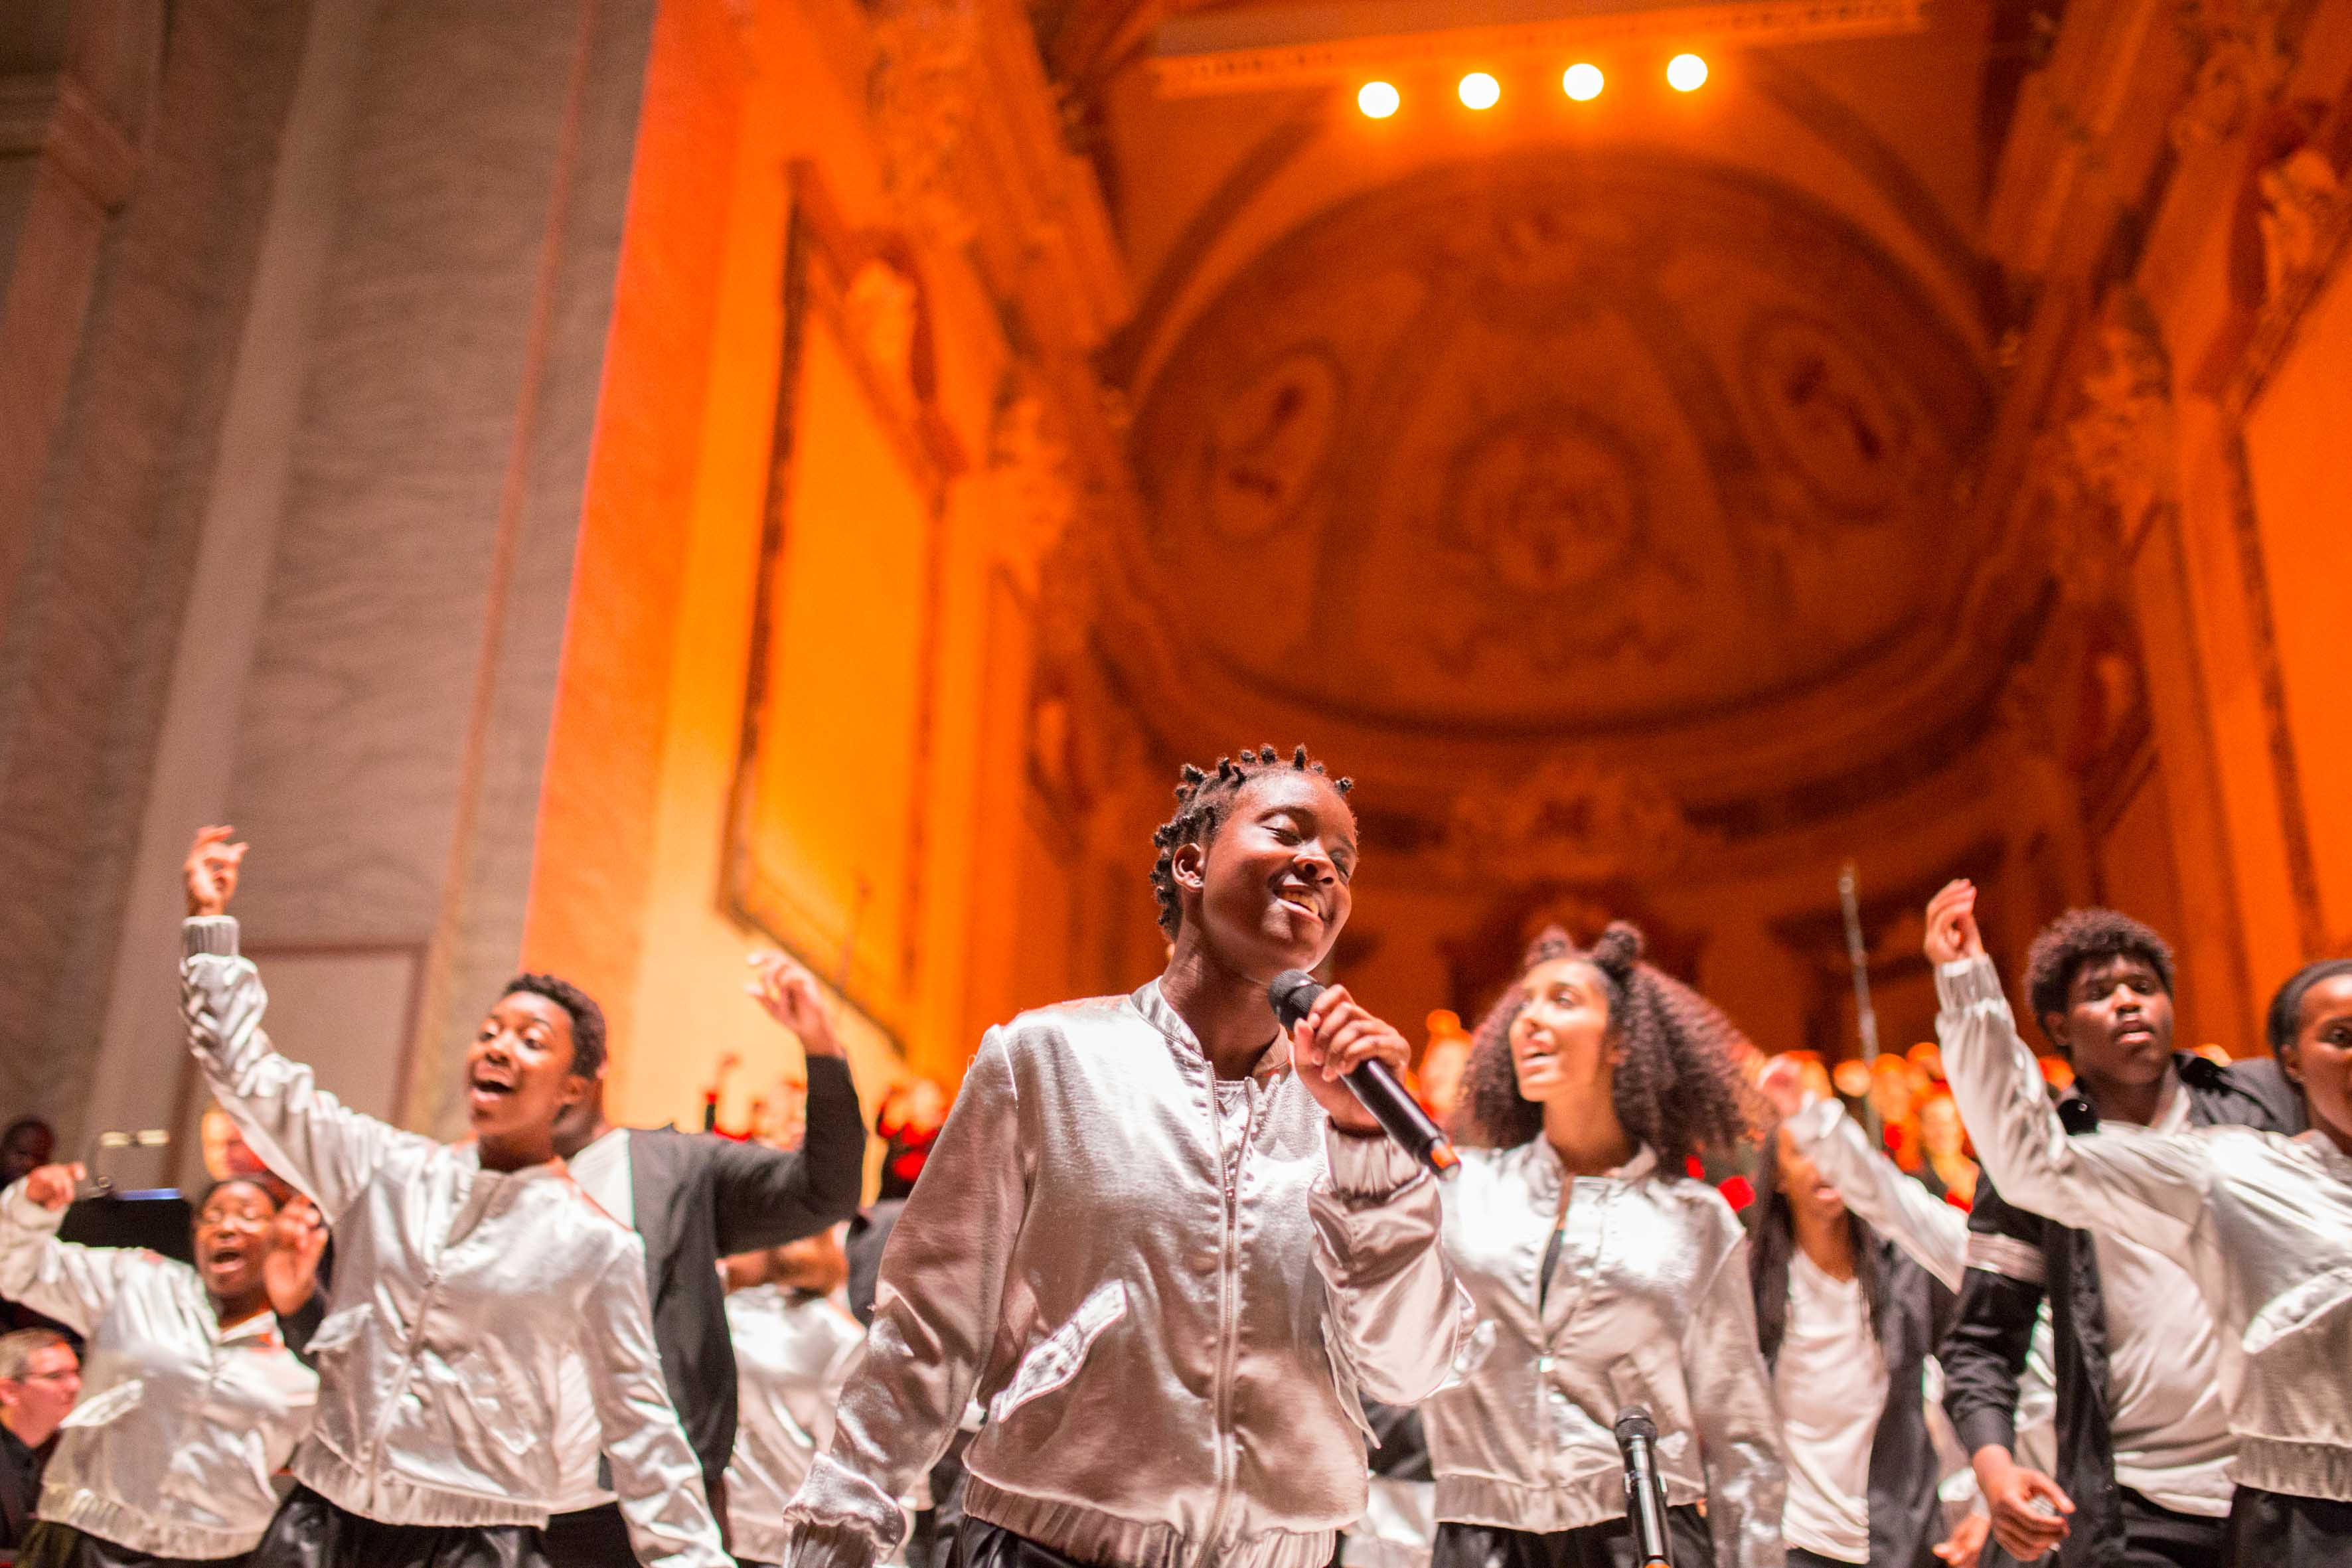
(1560, 444)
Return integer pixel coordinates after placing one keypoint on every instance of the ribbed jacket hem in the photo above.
(1543, 1509)
(1092, 1536)
(214, 934)
(123, 1525)
(2296, 1468)
(387, 1499)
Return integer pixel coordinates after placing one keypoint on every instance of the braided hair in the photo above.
(1203, 799)
(1675, 1087)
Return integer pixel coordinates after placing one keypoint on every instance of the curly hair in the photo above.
(1676, 1085)
(587, 1018)
(2087, 936)
(1203, 799)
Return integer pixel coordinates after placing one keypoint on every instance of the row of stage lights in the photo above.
(1582, 81)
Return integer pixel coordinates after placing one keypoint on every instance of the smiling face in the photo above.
(1268, 891)
(2320, 1059)
(233, 1236)
(2117, 1027)
(1561, 1044)
(519, 1077)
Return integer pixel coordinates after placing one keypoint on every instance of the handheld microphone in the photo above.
(1400, 1115)
(1645, 1494)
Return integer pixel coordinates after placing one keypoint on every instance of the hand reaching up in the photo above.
(785, 987)
(1952, 932)
(210, 871)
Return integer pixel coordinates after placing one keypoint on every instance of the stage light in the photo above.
(1686, 73)
(1378, 99)
(1581, 82)
(1479, 90)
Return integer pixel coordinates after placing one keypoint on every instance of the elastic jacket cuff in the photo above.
(1368, 1167)
(1963, 982)
(212, 934)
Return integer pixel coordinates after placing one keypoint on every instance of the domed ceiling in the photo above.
(1559, 447)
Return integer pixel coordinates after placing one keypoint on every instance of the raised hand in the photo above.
(53, 1186)
(210, 873)
(1782, 1082)
(783, 986)
(297, 1239)
(1952, 932)
(1336, 1037)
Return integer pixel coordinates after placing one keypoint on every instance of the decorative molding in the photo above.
(1573, 819)
(2242, 62)
(53, 114)
(2117, 448)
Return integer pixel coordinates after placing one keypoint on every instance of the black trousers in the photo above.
(592, 1538)
(1609, 1546)
(311, 1533)
(1801, 1558)
(2156, 1537)
(2273, 1530)
(50, 1545)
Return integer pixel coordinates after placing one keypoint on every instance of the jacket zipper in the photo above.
(1228, 1309)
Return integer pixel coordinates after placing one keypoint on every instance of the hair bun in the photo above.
(1553, 941)
(1619, 949)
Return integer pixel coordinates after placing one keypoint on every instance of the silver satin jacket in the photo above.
(1904, 1211)
(1650, 1306)
(792, 1352)
(1170, 1313)
(458, 1294)
(2264, 1221)
(181, 1422)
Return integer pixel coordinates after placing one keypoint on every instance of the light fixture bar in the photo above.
(1252, 49)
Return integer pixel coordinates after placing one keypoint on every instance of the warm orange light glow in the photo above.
(1479, 90)
(1582, 82)
(1686, 73)
(1378, 99)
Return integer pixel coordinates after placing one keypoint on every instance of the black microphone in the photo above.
(1645, 1494)
(1400, 1115)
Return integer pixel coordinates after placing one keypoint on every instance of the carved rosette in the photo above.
(925, 97)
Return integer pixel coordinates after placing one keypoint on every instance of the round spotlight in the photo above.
(1479, 90)
(1582, 81)
(1686, 73)
(1378, 99)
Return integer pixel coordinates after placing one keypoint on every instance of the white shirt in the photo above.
(601, 1169)
(2164, 1369)
(1831, 1382)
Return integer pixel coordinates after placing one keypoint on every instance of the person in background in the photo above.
(27, 1145)
(2260, 1223)
(195, 1397)
(694, 1198)
(2144, 1446)
(1603, 1276)
(40, 1378)
(794, 1345)
(466, 1276)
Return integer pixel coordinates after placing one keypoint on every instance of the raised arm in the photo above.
(1738, 1424)
(1932, 1231)
(55, 1279)
(655, 1471)
(2124, 1181)
(766, 1197)
(935, 1318)
(299, 1131)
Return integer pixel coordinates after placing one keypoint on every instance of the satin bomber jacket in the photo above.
(2265, 1222)
(1649, 1305)
(794, 1350)
(1170, 1315)
(181, 1422)
(458, 1294)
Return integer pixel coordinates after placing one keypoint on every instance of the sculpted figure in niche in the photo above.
(1269, 442)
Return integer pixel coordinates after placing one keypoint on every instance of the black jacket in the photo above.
(700, 1197)
(20, 1486)
(2014, 1259)
(1911, 1309)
